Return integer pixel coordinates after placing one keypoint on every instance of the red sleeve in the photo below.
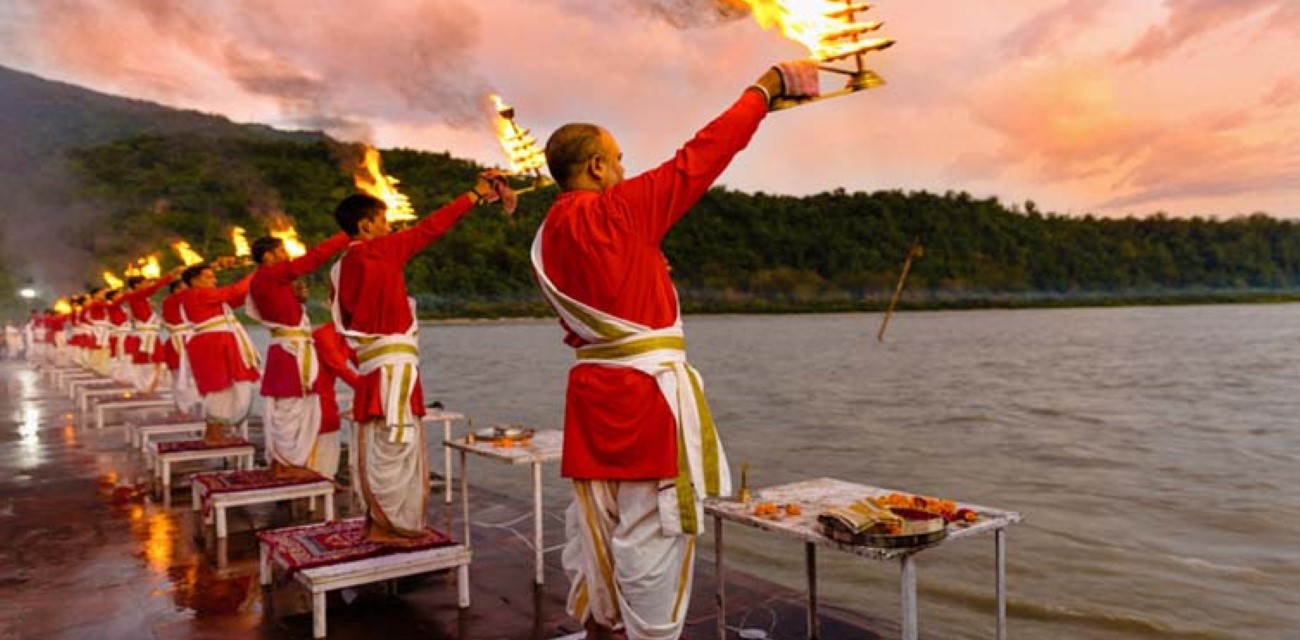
(332, 351)
(231, 294)
(313, 259)
(157, 284)
(404, 244)
(655, 200)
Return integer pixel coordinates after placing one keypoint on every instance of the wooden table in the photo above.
(814, 497)
(103, 393)
(241, 453)
(544, 447)
(446, 418)
(139, 430)
(140, 402)
(319, 580)
(219, 502)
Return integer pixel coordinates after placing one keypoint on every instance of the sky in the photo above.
(1107, 107)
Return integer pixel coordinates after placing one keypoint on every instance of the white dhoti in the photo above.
(231, 405)
(291, 426)
(625, 568)
(60, 349)
(326, 459)
(393, 477)
(144, 377)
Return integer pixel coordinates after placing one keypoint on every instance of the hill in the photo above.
(41, 121)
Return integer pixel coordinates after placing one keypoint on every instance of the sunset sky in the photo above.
(1084, 106)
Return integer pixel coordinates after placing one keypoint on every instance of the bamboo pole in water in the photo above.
(912, 252)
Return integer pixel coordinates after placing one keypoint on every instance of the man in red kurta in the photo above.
(639, 443)
(222, 358)
(173, 353)
(293, 412)
(334, 365)
(142, 342)
(371, 309)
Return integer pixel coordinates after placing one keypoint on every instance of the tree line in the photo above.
(735, 251)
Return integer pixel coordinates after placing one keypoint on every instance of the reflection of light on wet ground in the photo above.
(69, 434)
(29, 436)
(160, 541)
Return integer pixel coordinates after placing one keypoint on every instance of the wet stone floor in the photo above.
(86, 551)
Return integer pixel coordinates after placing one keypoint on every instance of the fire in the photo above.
(289, 236)
(521, 148)
(185, 253)
(150, 268)
(240, 241)
(825, 27)
(62, 306)
(112, 281)
(370, 178)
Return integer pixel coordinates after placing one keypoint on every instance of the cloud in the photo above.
(1047, 31)
(1189, 20)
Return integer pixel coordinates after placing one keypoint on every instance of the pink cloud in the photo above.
(1192, 19)
(1045, 32)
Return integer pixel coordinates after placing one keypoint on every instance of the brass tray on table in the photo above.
(920, 528)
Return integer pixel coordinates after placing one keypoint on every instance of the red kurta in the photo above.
(94, 314)
(372, 293)
(602, 248)
(54, 325)
(334, 356)
(117, 318)
(171, 315)
(138, 308)
(272, 292)
(214, 357)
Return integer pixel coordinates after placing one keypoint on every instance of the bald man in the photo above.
(639, 443)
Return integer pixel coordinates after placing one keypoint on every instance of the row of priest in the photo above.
(640, 445)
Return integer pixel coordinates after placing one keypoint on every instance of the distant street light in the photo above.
(27, 293)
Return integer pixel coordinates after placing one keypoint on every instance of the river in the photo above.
(1154, 452)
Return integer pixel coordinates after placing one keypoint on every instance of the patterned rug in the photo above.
(243, 480)
(317, 545)
(172, 446)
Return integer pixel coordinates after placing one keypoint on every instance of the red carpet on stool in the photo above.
(318, 545)
(197, 445)
(243, 480)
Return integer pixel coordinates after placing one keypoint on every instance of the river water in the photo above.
(1154, 452)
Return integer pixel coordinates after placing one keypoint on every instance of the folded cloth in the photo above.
(799, 78)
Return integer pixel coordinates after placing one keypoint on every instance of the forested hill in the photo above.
(734, 251)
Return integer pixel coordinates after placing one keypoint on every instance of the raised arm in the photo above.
(312, 260)
(404, 244)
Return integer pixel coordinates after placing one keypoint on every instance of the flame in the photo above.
(186, 254)
(522, 151)
(132, 270)
(62, 306)
(150, 268)
(826, 28)
(370, 178)
(280, 228)
(240, 241)
(112, 281)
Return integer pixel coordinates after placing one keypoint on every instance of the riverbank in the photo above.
(86, 552)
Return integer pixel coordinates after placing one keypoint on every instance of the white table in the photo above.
(52, 373)
(101, 393)
(139, 433)
(133, 404)
(814, 497)
(545, 446)
(219, 502)
(65, 379)
(446, 418)
(241, 453)
(319, 580)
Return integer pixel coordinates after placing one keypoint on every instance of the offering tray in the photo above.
(504, 435)
(920, 528)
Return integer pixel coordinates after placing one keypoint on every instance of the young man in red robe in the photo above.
(371, 309)
(142, 342)
(173, 353)
(223, 359)
(334, 366)
(292, 417)
(639, 443)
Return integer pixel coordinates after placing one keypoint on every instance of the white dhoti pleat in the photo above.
(185, 394)
(291, 426)
(625, 569)
(230, 406)
(144, 377)
(394, 477)
(98, 361)
(326, 459)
